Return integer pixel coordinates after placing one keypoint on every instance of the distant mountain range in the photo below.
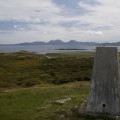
(60, 42)
(71, 42)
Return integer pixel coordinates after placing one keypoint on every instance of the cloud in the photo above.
(87, 20)
(27, 10)
(105, 16)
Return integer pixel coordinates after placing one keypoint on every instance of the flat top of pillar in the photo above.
(106, 48)
(107, 52)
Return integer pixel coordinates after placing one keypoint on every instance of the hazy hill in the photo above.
(71, 42)
(111, 44)
(32, 43)
(55, 42)
(59, 42)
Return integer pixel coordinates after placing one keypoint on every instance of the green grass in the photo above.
(36, 103)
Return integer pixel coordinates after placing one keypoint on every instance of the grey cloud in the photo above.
(103, 28)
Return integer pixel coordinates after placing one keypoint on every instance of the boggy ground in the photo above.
(25, 69)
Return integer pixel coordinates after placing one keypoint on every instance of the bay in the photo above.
(43, 49)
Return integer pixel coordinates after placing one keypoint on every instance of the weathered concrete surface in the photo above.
(104, 97)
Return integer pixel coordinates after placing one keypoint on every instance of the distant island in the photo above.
(57, 42)
(60, 42)
(70, 42)
(54, 46)
(70, 49)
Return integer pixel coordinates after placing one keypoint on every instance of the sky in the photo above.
(44, 20)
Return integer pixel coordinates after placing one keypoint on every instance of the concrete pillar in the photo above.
(104, 97)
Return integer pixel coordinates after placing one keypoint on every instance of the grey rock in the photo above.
(62, 116)
(62, 101)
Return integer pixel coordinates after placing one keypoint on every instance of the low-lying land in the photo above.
(44, 87)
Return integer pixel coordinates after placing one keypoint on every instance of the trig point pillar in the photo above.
(104, 97)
